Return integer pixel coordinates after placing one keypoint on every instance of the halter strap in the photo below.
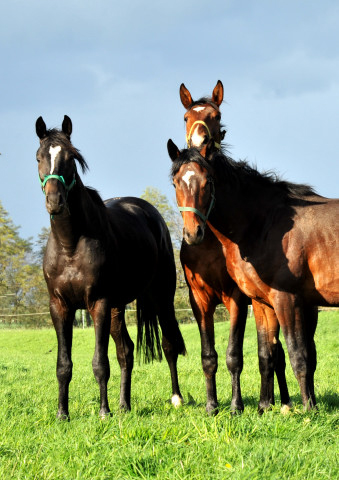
(201, 122)
(195, 210)
(60, 178)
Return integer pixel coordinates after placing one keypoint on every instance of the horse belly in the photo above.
(134, 272)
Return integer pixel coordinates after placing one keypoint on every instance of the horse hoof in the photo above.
(212, 410)
(264, 407)
(104, 414)
(63, 417)
(125, 408)
(311, 407)
(237, 408)
(177, 401)
(285, 409)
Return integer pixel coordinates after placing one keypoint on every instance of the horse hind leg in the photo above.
(172, 345)
(298, 324)
(124, 350)
(311, 317)
(271, 357)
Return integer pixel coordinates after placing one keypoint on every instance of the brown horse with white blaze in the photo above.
(281, 243)
(209, 283)
(203, 117)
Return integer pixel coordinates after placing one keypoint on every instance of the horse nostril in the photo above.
(193, 238)
(54, 198)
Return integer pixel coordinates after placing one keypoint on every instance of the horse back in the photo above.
(143, 245)
(134, 220)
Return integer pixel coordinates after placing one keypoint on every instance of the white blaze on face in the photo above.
(187, 177)
(53, 151)
(196, 138)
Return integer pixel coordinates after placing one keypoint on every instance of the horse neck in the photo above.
(63, 231)
(236, 210)
(75, 221)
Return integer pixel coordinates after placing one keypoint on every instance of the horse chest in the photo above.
(245, 274)
(74, 275)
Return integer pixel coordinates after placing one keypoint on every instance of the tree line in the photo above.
(24, 299)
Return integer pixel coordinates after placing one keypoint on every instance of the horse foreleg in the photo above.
(209, 358)
(267, 333)
(100, 313)
(237, 307)
(63, 324)
(124, 348)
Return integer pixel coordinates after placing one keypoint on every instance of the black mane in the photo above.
(189, 155)
(55, 135)
(95, 197)
(204, 101)
(240, 173)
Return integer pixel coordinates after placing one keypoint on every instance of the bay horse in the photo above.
(100, 256)
(210, 284)
(280, 239)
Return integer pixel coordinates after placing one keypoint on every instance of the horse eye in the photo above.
(185, 118)
(218, 117)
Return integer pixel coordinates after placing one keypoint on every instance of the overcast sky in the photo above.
(115, 68)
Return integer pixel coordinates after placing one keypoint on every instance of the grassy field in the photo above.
(155, 440)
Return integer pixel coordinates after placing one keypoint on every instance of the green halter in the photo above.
(60, 178)
(195, 210)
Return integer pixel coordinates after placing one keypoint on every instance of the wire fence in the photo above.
(83, 319)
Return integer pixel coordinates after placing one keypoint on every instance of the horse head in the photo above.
(203, 117)
(56, 164)
(194, 188)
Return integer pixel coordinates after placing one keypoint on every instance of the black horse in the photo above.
(101, 256)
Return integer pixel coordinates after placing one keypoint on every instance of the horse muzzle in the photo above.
(194, 237)
(55, 203)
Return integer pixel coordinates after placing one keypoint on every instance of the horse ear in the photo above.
(173, 150)
(67, 126)
(40, 128)
(208, 149)
(185, 96)
(218, 93)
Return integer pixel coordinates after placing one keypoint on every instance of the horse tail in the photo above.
(148, 338)
(177, 340)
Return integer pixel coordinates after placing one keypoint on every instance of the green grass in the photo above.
(155, 440)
